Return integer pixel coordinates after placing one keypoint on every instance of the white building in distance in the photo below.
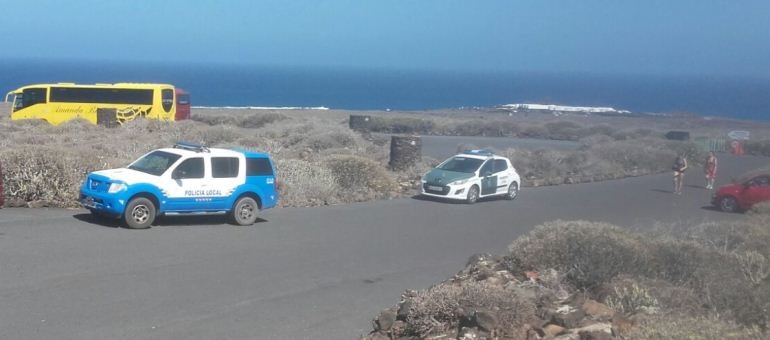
(563, 109)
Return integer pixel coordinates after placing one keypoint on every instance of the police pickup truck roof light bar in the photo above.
(191, 147)
(479, 152)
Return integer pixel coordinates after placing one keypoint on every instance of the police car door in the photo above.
(488, 178)
(226, 175)
(503, 175)
(187, 186)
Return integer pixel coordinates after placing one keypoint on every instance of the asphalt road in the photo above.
(315, 273)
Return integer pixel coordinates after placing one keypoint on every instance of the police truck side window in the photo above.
(258, 167)
(224, 167)
(190, 168)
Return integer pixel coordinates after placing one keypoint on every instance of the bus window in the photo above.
(167, 97)
(18, 102)
(31, 97)
(101, 96)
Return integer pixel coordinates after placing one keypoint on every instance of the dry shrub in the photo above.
(590, 253)
(730, 279)
(401, 125)
(678, 327)
(304, 183)
(46, 174)
(653, 292)
(437, 309)
(252, 121)
(361, 174)
(600, 158)
(632, 300)
(762, 208)
(564, 130)
(497, 128)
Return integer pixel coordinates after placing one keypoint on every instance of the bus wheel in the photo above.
(139, 214)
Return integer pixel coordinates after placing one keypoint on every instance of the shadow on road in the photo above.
(711, 208)
(662, 191)
(161, 221)
(450, 201)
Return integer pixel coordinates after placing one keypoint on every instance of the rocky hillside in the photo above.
(583, 280)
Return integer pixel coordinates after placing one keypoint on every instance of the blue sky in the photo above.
(612, 36)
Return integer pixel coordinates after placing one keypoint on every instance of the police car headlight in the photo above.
(460, 182)
(117, 187)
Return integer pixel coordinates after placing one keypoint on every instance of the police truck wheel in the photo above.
(513, 191)
(245, 211)
(473, 195)
(140, 213)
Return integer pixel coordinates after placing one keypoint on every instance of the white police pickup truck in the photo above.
(471, 175)
(185, 179)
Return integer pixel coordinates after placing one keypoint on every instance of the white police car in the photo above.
(185, 179)
(471, 175)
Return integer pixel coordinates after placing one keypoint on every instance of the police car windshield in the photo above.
(462, 164)
(154, 163)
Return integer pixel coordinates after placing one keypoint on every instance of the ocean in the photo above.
(361, 89)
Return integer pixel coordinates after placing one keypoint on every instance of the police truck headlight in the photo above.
(117, 187)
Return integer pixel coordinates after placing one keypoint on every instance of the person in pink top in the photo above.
(710, 169)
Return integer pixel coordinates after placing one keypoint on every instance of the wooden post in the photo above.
(359, 123)
(405, 151)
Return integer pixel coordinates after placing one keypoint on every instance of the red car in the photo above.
(743, 195)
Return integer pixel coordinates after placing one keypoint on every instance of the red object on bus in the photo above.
(182, 104)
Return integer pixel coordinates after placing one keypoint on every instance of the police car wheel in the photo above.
(140, 213)
(245, 211)
(473, 195)
(513, 191)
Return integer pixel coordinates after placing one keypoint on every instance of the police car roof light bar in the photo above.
(191, 147)
(479, 152)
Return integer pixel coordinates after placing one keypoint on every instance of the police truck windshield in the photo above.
(155, 163)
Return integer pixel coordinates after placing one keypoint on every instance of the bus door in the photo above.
(182, 105)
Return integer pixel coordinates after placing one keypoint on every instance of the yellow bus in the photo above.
(103, 104)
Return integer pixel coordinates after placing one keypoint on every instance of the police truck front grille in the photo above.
(97, 185)
(431, 189)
